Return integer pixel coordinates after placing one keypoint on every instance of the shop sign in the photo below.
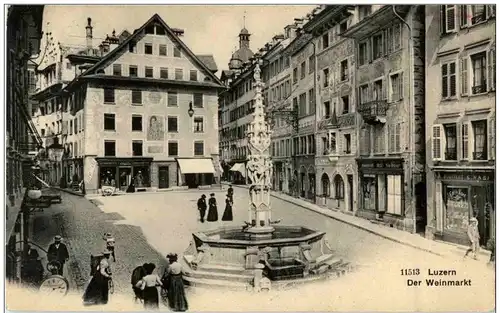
(381, 164)
(468, 176)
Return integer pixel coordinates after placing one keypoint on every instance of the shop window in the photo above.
(164, 73)
(117, 69)
(339, 187)
(109, 95)
(109, 148)
(450, 131)
(137, 148)
(172, 98)
(198, 100)
(109, 122)
(198, 124)
(107, 176)
(199, 148)
(480, 142)
(136, 123)
(457, 211)
(163, 50)
(369, 192)
(172, 124)
(136, 97)
(394, 194)
(148, 71)
(173, 148)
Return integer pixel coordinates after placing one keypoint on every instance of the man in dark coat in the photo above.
(230, 192)
(202, 207)
(58, 252)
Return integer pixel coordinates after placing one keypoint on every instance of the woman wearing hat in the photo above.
(97, 292)
(212, 216)
(176, 296)
(473, 234)
(228, 212)
(150, 292)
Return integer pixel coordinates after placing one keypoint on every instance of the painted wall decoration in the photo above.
(156, 128)
(155, 149)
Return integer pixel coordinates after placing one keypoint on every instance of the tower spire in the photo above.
(244, 18)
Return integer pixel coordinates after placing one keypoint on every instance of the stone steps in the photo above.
(217, 283)
(200, 274)
(225, 269)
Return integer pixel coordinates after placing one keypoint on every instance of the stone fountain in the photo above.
(241, 256)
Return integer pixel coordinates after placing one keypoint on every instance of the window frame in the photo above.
(164, 70)
(177, 52)
(448, 78)
(136, 141)
(194, 123)
(146, 46)
(176, 142)
(176, 123)
(136, 92)
(172, 93)
(115, 67)
(176, 72)
(142, 123)
(106, 117)
(107, 89)
(195, 105)
(106, 141)
(130, 68)
(160, 46)
(391, 87)
(194, 147)
(344, 73)
(149, 68)
(195, 72)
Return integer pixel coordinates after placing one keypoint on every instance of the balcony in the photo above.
(450, 154)
(479, 155)
(479, 89)
(373, 112)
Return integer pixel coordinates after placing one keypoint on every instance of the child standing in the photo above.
(110, 244)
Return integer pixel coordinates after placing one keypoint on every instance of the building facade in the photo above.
(147, 113)
(460, 115)
(23, 34)
(390, 84)
(336, 132)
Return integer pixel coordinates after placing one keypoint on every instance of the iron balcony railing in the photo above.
(373, 108)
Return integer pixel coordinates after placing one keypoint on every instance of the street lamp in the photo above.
(190, 111)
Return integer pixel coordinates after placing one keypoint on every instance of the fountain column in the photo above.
(259, 166)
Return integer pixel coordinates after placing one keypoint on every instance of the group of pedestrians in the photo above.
(213, 214)
(145, 285)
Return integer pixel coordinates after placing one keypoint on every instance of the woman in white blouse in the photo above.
(176, 295)
(150, 282)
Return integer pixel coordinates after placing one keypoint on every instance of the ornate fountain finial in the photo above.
(259, 166)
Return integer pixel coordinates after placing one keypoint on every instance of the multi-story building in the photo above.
(460, 117)
(235, 110)
(147, 113)
(389, 45)
(302, 52)
(336, 115)
(24, 31)
(276, 74)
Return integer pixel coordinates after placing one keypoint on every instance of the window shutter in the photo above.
(390, 40)
(353, 143)
(397, 136)
(439, 205)
(465, 77)
(491, 138)
(451, 18)
(470, 140)
(436, 143)
(444, 80)
(452, 72)
(459, 140)
(340, 144)
(384, 89)
(491, 69)
(442, 24)
(463, 16)
(392, 138)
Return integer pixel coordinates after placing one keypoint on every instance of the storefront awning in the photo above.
(196, 166)
(238, 167)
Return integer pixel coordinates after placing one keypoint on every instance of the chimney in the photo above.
(88, 29)
(178, 32)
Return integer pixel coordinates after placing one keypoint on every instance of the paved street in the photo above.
(148, 226)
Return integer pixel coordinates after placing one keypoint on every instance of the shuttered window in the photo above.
(450, 16)
(492, 69)
(448, 80)
(465, 77)
(436, 143)
(465, 141)
(491, 138)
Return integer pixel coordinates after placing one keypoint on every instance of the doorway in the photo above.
(124, 177)
(420, 207)
(351, 192)
(190, 180)
(163, 177)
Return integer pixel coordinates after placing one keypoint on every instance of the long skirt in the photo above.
(97, 291)
(151, 300)
(212, 216)
(228, 213)
(176, 295)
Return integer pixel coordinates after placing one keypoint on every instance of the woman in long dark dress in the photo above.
(150, 292)
(228, 212)
(97, 291)
(212, 216)
(176, 296)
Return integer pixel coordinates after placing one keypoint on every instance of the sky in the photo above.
(209, 29)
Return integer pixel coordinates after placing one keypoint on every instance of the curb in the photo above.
(352, 224)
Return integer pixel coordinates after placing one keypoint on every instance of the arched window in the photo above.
(325, 185)
(339, 187)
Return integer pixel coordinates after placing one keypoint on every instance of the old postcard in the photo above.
(250, 157)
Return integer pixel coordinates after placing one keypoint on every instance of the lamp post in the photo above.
(190, 110)
(55, 153)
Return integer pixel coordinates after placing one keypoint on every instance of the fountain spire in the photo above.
(259, 166)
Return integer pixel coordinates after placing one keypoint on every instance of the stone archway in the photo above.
(325, 188)
(339, 187)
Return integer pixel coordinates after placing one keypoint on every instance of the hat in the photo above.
(57, 238)
(203, 196)
(212, 194)
(171, 255)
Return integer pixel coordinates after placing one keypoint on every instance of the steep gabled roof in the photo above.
(154, 18)
(209, 61)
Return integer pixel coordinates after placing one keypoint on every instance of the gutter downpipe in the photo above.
(411, 114)
(315, 115)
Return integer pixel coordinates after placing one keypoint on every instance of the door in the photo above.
(421, 207)
(163, 177)
(351, 192)
(190, 180)
(124, 177)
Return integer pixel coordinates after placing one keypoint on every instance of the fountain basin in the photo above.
(229, 256)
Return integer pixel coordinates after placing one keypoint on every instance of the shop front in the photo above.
(461, 195)
(195, 172)
(123, 173)
(382, 190)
